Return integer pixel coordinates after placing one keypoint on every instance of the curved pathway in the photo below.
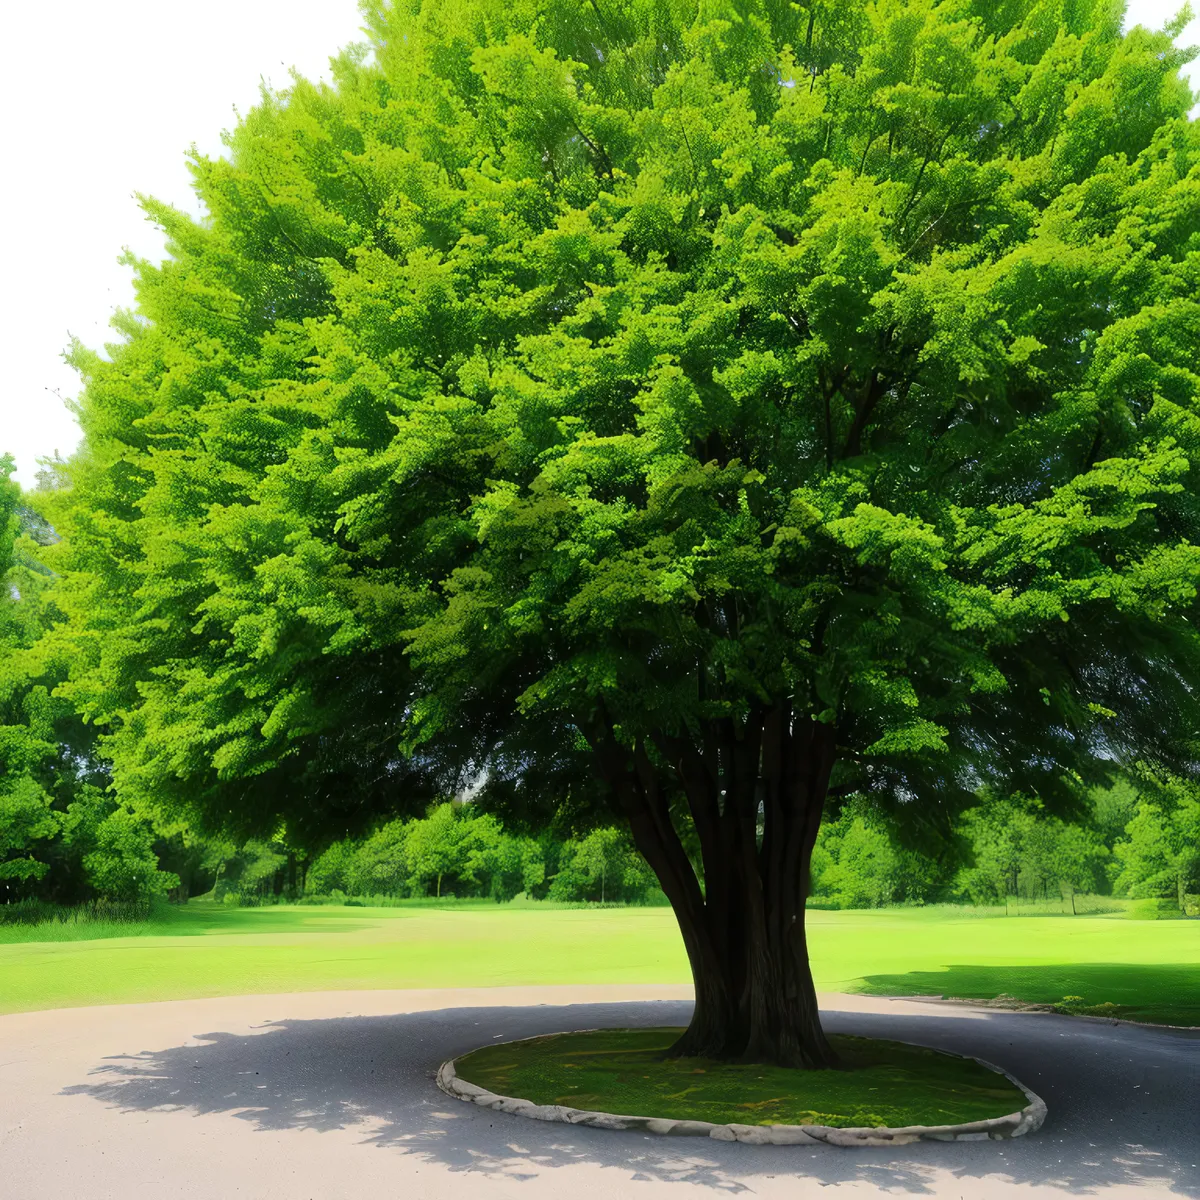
(319, 1096)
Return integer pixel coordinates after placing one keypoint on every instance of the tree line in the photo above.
(453, 852)
(1126, 843)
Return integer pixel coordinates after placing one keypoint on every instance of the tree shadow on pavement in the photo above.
(376, 1074)
(1167, 994)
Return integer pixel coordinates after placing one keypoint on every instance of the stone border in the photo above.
(1028, 1120)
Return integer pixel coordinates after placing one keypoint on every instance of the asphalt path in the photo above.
(331, 1095)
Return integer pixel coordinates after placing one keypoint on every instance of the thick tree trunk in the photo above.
(755, 794)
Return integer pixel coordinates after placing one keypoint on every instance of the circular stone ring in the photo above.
(1013, 1125)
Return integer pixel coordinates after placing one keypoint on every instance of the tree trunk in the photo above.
(744, 930)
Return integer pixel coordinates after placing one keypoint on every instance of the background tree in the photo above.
(862, 867)
(379, 867)
(331, 870)
(601, 866)
(498, 864)
(47, 758)
(1078, 859)
(1160, 855)
(123, 865)
(434, 848)
(26, 822)
(685, 411)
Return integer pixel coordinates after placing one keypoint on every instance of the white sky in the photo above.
(103, 99)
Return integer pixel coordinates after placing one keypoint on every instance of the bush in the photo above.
(123, 865)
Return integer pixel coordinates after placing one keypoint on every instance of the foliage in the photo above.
(47, 762)
(487, 402)
(25, 819)
(857, 863)
(379, 867)
(246, 873)
(10, 497)
(330, 872)
(1112, 808)
(602, 866)
(662, 410)
(123, 865)
(433, 847)
(1161, 856)
(1018, 850)
(500, 865)
(457, 850)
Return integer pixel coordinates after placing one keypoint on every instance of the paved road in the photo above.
(331, 1095)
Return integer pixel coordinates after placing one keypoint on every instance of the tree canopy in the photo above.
(679, 406)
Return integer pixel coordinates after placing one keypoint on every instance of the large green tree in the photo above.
(697, 408)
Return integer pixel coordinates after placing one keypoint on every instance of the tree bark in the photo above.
(744, 929)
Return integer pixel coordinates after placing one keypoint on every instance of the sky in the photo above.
(103, 100)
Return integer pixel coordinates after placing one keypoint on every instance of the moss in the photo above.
(627, 1071)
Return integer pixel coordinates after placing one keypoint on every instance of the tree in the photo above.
(863, 869)
(1017, 849)
(1078, 858)
(10, 499)
(332, 870)
(123, 865)
(592, 857)
(678, 412)
(25, 816)
(1058, 858)
(255, 870)
(1112, 809)
(379, 867)
(1160, 854)
(434, 848)
(498, 864)
(601, 866)
(25, 820)
(46, 759)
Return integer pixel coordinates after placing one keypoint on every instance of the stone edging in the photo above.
(1028, 1120)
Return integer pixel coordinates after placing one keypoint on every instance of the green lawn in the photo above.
(1151, 967)
(626, 1071)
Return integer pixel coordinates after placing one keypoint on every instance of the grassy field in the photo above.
(1151, 969)
(627, 1071)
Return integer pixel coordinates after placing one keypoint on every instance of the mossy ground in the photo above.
(626, 1071)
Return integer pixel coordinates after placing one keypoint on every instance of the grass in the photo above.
(626, 1071)
(1151, 969)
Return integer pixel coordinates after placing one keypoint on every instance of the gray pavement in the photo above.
(332, 1095)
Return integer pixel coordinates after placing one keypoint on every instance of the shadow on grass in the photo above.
(1164, 995)
(376, 1075)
